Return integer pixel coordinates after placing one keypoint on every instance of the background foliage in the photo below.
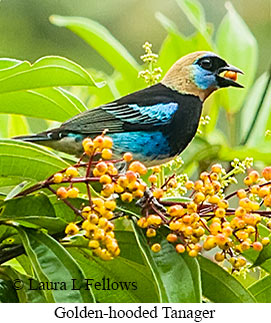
(54, 88)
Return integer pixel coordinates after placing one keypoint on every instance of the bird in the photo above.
(156, 123)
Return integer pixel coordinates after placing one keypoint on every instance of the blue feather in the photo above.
(153, 145)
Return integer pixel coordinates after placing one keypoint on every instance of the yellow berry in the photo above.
(58, 177)
(71, 229)
(220, 212)
(142, 222)
(265, 241)
(204, 176)
(86, 211)
(93, 218)
(214, 199)
(110, 205)
(193, 253)
(223, 204)
(88, 146)
(156, 247)
(180, 248)
(151, 233)
(94, 244)
(198, 185)
(106, 153)
(248, 181)
(267, 201)
(105, 179)
(199, 197)
(154, 220)
(71, 172)
(254, 176)
(107, 142)
(138, 194)
(126, 197)
(73, 193)
(219, 257)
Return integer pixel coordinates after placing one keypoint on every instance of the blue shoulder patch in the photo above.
(161, 112)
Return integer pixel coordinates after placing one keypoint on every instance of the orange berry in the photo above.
(152, 179)
(176, 210)
(264, 191)
(231, 75)
(189, 185)
(204, 176)
(156, 247)
(73, 193)
(158, 193)
(131, 176)
(257, 246)
(241, 194)
(180, 248)
(102, 167)
(254, 176)
(171, 237)
(266, 173)
(245, 245)
(58, 177)
(62, 192)
(71, 172)
(128, 157)
(98, 142)
(138, 167)
(106, 153)
(267, 201)
(217, 168)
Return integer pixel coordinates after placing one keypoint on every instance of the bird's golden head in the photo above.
(199, 73)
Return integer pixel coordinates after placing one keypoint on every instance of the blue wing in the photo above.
(157, 114)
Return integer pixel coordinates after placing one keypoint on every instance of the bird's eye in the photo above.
(206, 64)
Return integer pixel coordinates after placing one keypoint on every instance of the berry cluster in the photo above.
(201, 222)
(207, 221)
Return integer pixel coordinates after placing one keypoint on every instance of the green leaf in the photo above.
(177, 45)
(47, 103)
(261, 290)
(48, 71)
(33, 211)
(25, 294)
(248, 112)
(103, 42)
(221, 287)
(52, 263)
(177, 276)
(21, 161)
(7, 292)
(126, 268)
(195, 14)
(17, 125)
(238, 46)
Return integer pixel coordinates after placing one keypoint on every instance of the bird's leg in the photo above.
(122, 167)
